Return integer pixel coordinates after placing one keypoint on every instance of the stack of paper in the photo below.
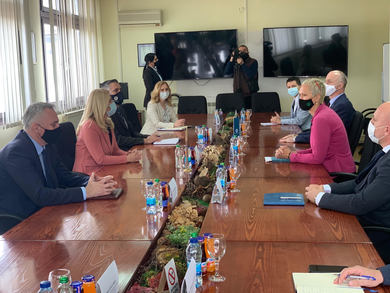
(320, 283)
(173, 129)
(168, 141)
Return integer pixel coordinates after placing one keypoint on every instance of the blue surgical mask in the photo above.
(164, 95)
(113, 108)
(293, 91)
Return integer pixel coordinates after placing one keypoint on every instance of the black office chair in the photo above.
(380, 237)
(131, 113)
(66, 144)
(355, 132)
(265, 102)
(192, 105)
(229, 102)
(369, 150)
(7, 222)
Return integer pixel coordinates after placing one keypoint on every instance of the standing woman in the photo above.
(96, 144)
(160, 113)
(328, 138)
(150, 75)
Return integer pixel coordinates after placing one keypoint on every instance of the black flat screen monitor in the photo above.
(194, 55)
(305, 51)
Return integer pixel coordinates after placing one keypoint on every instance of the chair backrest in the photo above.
(192, 105)
(367, 115)
(355, 131)
(369, 150)
(265, 102)
(229, 102)
(66, 144)
(7, 222)
(132, 115)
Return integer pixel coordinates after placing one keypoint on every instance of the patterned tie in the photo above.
(51, 179)
(370, 165)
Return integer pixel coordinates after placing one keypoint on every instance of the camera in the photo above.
(236, 55)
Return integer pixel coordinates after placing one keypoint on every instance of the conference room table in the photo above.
(264, 244)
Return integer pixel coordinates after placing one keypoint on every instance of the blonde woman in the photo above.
(160, 113)
(96, 144)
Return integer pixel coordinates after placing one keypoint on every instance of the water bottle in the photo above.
(45, 287)
(220, 112)
(242, 116)
(64, 286)
(89, 284)
(150, 199)
(158, 195)
(217, 118)
(194, 251)
(179, 158)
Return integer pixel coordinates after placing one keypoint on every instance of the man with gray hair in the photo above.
(336, 81)
(31, 173)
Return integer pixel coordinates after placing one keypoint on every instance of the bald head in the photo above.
(381, 121)
(338, 79)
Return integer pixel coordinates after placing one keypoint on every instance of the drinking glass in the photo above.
(248, 114)
(54, 277)
(216, 247)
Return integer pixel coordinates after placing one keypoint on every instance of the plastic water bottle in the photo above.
(217, 118)
(242, 116)
(179, 158)
(194, 251)
(64, 286)
(150, 199)
(158, 195)
(45, 287)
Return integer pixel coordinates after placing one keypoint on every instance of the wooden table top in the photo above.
(23, 264)
(245, 218)
(267, 267)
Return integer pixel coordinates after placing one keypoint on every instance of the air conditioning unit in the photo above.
(137, 17)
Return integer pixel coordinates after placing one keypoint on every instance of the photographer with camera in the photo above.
(245, 73)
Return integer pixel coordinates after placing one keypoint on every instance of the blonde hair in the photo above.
(316, 87)
(155, 95)
(96, 108)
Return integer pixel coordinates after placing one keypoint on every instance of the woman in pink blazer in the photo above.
(328, 138)
(96, 144)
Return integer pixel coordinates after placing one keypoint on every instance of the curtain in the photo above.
(70, 49)
(11, 98)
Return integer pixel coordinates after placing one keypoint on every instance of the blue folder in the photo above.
(277, 160)
(283, 199)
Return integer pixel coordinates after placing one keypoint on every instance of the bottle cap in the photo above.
(178, 145)
(157, 180)
(207, 235)
(222, 164)
(163, 183)
(200, 238)
(149, 183)
(64, 279)
(88, 278)
(194, 240)
(76, 284)
(45, 284)
(194, 234)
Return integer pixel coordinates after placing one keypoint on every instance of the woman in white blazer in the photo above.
(160, 113)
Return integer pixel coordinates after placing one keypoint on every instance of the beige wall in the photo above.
(368, 29)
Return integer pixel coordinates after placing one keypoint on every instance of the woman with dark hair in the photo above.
(150, 75)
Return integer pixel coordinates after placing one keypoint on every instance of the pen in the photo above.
(290, 197)
(363, 277)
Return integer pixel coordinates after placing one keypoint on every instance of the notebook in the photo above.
(283, 199)
(168, 141)
(276, 160)
(320, 283)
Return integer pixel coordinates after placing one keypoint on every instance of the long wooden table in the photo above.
(265, 243)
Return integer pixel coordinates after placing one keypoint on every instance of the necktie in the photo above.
(50, 174)
(370, 165)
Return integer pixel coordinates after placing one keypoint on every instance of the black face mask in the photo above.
(306, 105)
(118, 98)
(244, 56)
(51, 136)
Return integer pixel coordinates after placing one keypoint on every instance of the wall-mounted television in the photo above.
(305, 51)
(194, 55)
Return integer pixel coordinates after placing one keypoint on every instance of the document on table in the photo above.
(320, 283)
(173, 128)
(276, 160)
(268, 123)
(168, 141)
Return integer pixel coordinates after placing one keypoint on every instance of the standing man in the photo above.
(336, 81)
(150, 75)
(125, 132)
(245, 73)
(31, 173)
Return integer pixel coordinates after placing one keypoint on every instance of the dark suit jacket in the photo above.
(386, 274)
(125, 134)
(150, 79)
(343, 107)
(369, 200)
(23, 187)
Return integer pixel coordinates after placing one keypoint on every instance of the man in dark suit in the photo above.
(31, 174)
(150, 75)
(336, 81)
(368, 195)
(125, 134)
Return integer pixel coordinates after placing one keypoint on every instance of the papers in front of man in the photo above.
(320, 283)
(173, 128)
(268, 123)
(168, 141)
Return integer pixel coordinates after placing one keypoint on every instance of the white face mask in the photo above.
(164, 95)
(371, 133)
(330, 89)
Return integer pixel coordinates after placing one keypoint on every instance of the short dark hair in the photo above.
(294, 78)
(149, 58)
(105, 84)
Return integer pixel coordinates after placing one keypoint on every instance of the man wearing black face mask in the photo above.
(31, 173)
(245, 73)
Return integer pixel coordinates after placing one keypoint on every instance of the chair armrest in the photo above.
(377, 228)
(342, 176)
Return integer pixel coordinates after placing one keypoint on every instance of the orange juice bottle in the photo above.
(89, 285)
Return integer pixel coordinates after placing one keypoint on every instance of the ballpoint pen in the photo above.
(362, 277)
